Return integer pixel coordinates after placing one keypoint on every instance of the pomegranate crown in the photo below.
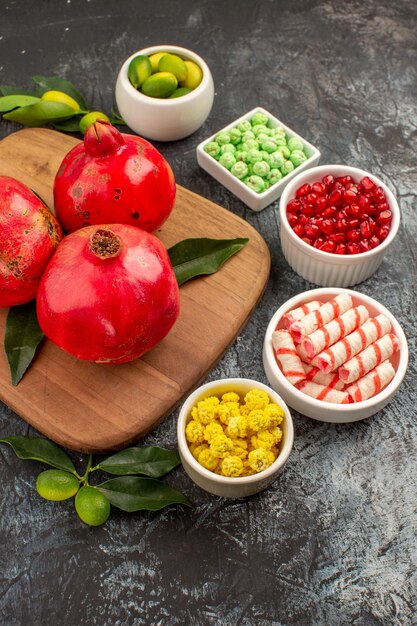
(102, 139)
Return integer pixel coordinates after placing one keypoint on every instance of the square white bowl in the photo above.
(255, 201)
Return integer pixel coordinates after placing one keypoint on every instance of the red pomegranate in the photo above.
(109, 294)
(29, 235)
(113, 178)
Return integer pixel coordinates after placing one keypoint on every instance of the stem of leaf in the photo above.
(84, 478)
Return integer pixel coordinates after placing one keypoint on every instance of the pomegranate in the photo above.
(113, 178)
(340, 216)
(29, 235)
(109, 294)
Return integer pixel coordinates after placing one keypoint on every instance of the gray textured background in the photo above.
(333, 542)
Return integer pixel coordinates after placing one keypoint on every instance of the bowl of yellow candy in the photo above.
(234, 436)
(164, 92)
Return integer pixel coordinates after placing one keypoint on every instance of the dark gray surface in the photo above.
(333, 541)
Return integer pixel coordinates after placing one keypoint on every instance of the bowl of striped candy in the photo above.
(335, 355)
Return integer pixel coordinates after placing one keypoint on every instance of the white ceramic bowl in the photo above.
(318, 409)
(255, 201)
(165, 119)
(325, 268)
(238, 487)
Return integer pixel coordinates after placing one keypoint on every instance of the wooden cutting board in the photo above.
(98, 408)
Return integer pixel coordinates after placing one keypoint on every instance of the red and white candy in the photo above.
(334, 351)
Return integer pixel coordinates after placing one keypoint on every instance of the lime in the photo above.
(92, 507)
(160, 85)
(57, 484)
(60, 96)
(154, 59)
(174, 64)
(181, 91)
(194, 75)
(140, 69)
(89, 118)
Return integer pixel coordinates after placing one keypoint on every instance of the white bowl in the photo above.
(165, 119)
(318, 409)
(238, 487)
(255, 201)
(325, 268)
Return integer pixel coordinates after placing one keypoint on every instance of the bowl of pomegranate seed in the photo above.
(335, 355)
(336, 224)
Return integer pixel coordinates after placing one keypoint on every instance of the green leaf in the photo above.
(68, 126)
(38, 449)
(21, 339)
(131, 493)
(11, 90)
(7, 103)
(51, 83)
(151, 461)
(40, 113)
(194, 257)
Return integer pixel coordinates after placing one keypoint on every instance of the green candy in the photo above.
(261, 168)
(259, 118)
(285, 151)
(261, 128)
(277, 159)
(254, 155)
(256, 183)
(227, 147)
(295, 144)
(287, 168)
(274, 176)
(244, 125)
(269, 146)
(235, 136)
(297, 157)
(222, 138)
(212, 148)
(278, 131)
(250, 144)
(248, 134)
(227, 160)
(241, 155)
(239, 169)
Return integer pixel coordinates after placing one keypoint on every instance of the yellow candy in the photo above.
(207, 459)
(258, 420)
(231, 466)
(237, 426)
(221, 446)
(260, 459)
(197, 448)
(275, 414)
(256, 399)
(212, 430)
(263, 439)
(230, 396)
(194, 432)
(227, 410)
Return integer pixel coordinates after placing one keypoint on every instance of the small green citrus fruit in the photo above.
(89, 118)
(63, 98)
(92, 506)
(55, 484)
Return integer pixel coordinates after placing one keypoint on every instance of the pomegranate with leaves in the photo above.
(113, 178)
(29, 235)
(109, 294)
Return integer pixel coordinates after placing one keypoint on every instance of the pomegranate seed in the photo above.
(308, 240)
(299, 230)
(335, 196)
(321, 203)
(364, 201)
(319, 188)
(373, 208)
(367, 184)
(311, 230)
(341, 215)
(328, 226)
(311, 198)
(364, 245)
(340, 248)
(383, 231)
(354, 210)
(318, 243)
(366, 229)
(327, 180)
(294, 206)
(328, 246)
(331, 211)
(374, 241)
(309, 209)
(379, 195)
(337, 237)
(348, 179)
(352, 248)
(353, 235)
(384, 217)
(383, 206)
(303, 190)
(342, 225)
(303, 219)
(350, 195)
(292, 219)
(353, 223)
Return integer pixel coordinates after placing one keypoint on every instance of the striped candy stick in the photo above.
(314, 375)
(320, 392)
(287, 356)
(349, 346)
(365, 361)
(296, 314)
(328, 334)
(314, 320)
(372, 383)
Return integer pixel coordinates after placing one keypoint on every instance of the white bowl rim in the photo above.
(339, 170)
(312, 294)
(238, 480)
(286, 179)
(165, 102)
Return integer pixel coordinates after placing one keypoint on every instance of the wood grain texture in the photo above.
(95, 408)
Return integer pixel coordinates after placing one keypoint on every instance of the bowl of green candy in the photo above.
(256, 156)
